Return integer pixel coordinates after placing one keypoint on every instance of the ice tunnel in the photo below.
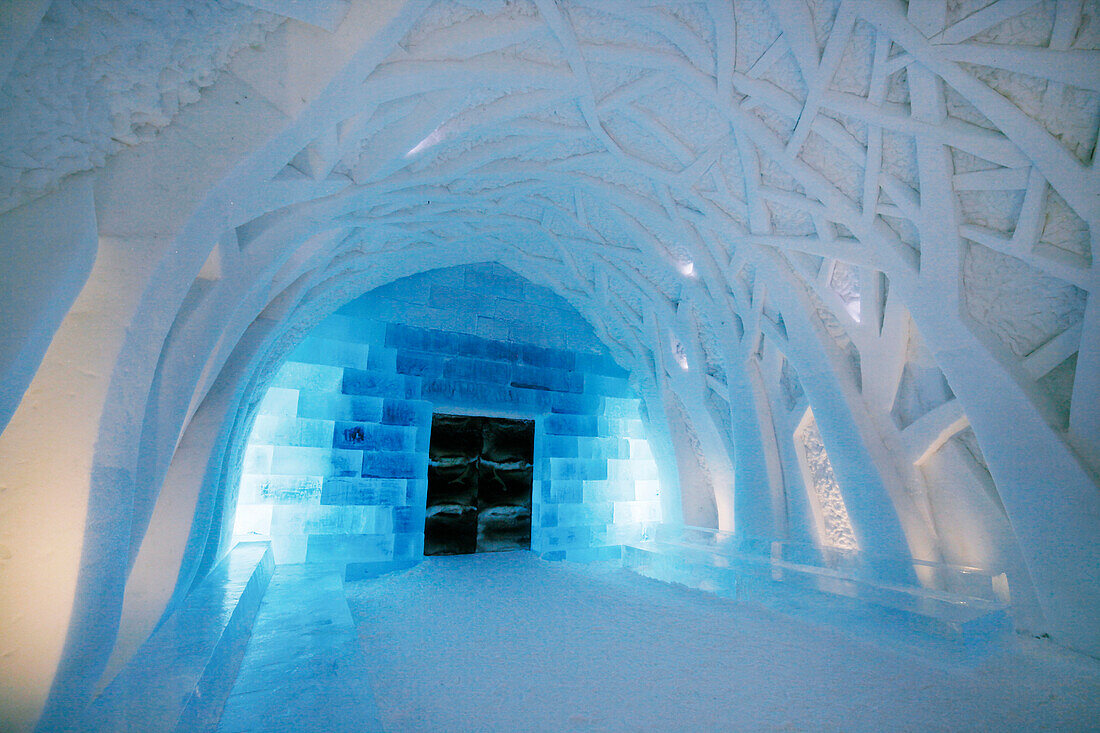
(793, 303)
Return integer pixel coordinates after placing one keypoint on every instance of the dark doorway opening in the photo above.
(479, 485)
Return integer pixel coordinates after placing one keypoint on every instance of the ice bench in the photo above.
(915, 601)
(179, 678)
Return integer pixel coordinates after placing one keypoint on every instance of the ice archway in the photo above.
(885, 212)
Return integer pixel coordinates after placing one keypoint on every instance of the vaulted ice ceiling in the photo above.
(883, 211)
(674, 149)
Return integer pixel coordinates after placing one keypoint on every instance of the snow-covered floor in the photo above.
(509, 642)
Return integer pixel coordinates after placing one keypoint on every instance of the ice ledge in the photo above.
(863, 594)
(180, 677)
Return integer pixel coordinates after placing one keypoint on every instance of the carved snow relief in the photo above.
(832, 514)
(1019, 305)
(103, 74)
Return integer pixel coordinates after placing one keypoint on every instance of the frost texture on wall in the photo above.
(1039, 309)
(835, 524)
(99, 75)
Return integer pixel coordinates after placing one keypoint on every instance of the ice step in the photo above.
(822, 594)
(180, 677)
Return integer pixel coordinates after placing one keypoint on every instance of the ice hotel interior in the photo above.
(549, 365)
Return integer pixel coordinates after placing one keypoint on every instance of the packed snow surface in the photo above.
(509, 642)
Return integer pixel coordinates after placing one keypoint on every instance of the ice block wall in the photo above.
(336, 465)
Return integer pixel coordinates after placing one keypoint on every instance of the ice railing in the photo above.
(780, 561)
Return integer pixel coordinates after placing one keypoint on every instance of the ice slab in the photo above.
(303, 669)
(180, 677)
(860, 593)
